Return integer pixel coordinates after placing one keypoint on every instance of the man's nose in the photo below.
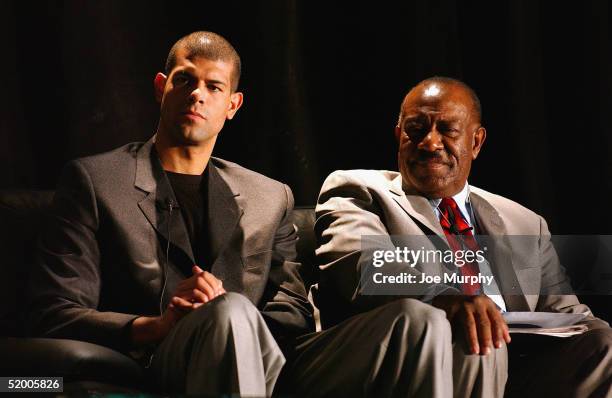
(432, 141)
(197, 95)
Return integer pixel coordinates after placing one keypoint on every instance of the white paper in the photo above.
(545, 323)
(542, 319)
(555, 332)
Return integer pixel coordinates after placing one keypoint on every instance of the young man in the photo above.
(159, 249)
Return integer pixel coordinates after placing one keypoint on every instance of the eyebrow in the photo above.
(415, 119)
(414, 116)
(191, 71)
(214, 81)
(450, 120)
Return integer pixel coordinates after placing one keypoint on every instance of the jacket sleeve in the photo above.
(556, 292)
(65, 280)
(286, 308)
(347, 212)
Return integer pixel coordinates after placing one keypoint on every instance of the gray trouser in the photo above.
(479, 375)
(401, 349)
(222, 347)
(577, 366)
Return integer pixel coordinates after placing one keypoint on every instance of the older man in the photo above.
(429, 201)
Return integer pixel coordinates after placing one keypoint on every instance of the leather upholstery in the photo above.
(71, 359)
(303, 219)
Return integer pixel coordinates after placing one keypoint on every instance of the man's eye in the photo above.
(212, 87)
(447, 128)
(414, 130)
(180, 80)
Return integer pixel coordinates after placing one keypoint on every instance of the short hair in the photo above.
(449, 81)
(208, 45)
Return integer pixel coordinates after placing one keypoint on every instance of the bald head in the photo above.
(207, 45)
(436, 86)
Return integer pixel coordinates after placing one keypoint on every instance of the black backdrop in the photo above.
(323, 82)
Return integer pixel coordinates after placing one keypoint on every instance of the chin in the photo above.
(431, 178)
(432, 187)
(195, 137)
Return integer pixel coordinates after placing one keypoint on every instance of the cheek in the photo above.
(220, 108)
(464, 158)
(461, 150)
(405, 146)
(170, 104)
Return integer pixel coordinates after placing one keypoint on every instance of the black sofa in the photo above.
(85, 366)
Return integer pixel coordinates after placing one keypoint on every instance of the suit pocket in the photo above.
(255, 274)
(257, 261)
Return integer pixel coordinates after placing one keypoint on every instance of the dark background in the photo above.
(323, 82)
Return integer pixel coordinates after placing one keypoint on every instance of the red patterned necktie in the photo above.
(459, 236)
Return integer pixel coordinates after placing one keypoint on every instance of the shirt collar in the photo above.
(462, 198)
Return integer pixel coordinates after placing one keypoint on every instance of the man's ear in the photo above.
(480, 135)
(234, 105)
(159, 83)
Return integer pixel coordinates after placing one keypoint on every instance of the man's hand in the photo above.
(479, 318)
(190, 293)
(199, 289)
(152, 329)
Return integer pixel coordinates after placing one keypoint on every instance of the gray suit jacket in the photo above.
(102, 257)
(370, 202)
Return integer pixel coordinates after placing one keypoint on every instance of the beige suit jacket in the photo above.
(356, 203)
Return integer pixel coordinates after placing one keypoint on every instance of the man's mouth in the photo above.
(433, 167)
(193, 115)
(430, 163)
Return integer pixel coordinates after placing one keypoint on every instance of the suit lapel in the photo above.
(224, 212)
(151, 179)
(500, 253)
(420, 211)
(417, 207)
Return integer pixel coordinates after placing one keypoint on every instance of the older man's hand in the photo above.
(479, 319)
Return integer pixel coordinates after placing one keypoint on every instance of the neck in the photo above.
(432, 195)
(183, 159)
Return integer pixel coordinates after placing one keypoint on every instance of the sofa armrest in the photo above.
(71, 359)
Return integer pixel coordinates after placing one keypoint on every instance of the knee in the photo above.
(426, 314)
(232, 302)
(225, 307)
(423, 318)
(497, 357)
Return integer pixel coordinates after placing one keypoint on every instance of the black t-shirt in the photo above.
(191, 193)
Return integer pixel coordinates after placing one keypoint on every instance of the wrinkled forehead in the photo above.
(437, 99)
